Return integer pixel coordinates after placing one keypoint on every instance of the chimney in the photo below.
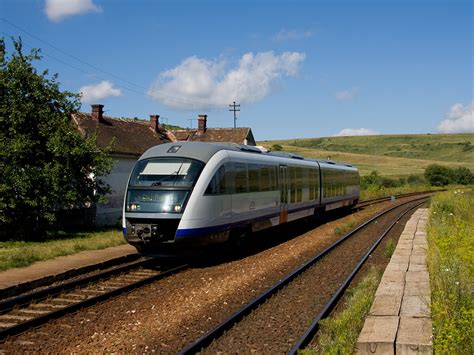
(155, 122)
(202, 124)
(97, 112)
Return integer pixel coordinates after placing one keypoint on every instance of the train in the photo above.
(183, 196)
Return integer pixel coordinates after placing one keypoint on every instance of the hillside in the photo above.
(391, 155)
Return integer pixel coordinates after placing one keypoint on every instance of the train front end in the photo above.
(155, 200)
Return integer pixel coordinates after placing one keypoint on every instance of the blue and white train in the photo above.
(184, 195)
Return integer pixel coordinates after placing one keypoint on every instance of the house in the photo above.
(130, 138)
(241, 135)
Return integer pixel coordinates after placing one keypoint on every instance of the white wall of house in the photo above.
(109, 214)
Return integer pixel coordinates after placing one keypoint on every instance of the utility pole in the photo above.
(235, 109)
(190, 122)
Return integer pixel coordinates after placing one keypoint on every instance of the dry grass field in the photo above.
(391, 155)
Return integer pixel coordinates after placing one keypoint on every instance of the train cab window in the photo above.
(166, 172)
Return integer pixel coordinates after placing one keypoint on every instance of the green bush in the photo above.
(463, 176)
(438, 175)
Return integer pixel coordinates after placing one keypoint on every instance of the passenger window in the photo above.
(240, 178)
(265, 178)
(254, 177)
(218, 183)
(274, 177)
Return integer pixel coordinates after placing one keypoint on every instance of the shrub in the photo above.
(438, 175)
(415, 179)
(463, 176)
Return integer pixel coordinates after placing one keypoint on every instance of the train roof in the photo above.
(204, 151)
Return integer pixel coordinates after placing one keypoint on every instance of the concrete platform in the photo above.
(399, 320)
(41, 273)
(378, 335)
(414, 336)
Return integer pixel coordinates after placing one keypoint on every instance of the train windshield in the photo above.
(161, 185)
(166, 172)
(156, 201)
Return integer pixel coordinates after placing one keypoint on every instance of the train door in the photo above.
(283, 193)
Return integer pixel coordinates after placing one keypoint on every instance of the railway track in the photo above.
(223, 337)
(311, 331)
(20, 313)
(372, 201)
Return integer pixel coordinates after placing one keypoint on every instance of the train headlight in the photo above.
(133, 207)
(177, 208)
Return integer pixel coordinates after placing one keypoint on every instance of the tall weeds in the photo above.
(451, 265)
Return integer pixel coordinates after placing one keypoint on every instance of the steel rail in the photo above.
(25, 299)
(215, 333)
(21, 327)
(314, 327)
(387, 198)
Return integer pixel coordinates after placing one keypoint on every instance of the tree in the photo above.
(46, 164)
(373, 179)
(276, 148)
(438, 175)
(463, 176)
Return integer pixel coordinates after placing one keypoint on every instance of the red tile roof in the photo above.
(129, 136)
(233, 135)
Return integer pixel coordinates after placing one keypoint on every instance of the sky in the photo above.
(298, 69)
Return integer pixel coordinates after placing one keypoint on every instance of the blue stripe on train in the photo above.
(223, 227)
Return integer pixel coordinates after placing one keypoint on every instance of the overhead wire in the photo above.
(192, 104)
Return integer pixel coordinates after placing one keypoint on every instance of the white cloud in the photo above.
(458, 119)
(346, 95)
(202, 84)
(57, 10)
(292, 35)
(356, 132)
(95, 93)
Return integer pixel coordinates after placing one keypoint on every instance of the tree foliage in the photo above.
(438, 175)
(46, 163)
(276, 148)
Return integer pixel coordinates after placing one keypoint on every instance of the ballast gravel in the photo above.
(277, 324)
(167, 315)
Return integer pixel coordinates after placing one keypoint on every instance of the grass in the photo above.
(389, 248)
(20, 254)
(444, 147)
(346, 227)
(451, 266)
(391, 155)
(375, 192)
(338, 334)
